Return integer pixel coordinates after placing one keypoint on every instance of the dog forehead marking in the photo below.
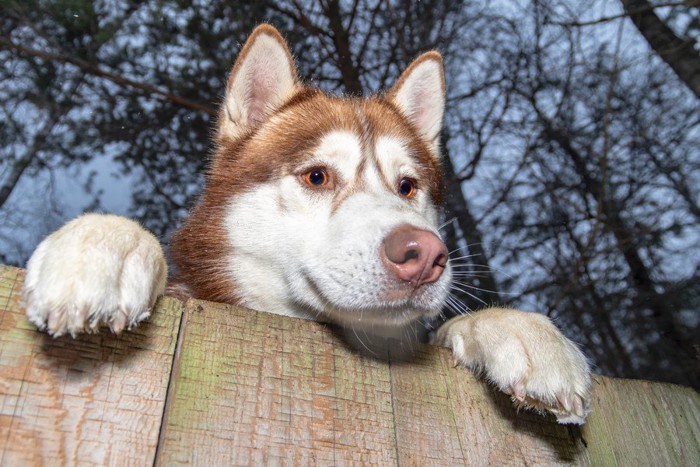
(377, 165)
(343, 150)
(393, 158)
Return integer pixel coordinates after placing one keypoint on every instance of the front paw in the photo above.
(96, 270)
(525, 356)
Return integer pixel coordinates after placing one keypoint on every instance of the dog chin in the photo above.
(406, 295)
(385, 333)
(388, 304)
(390, 313)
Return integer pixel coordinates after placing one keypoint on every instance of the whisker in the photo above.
(414, 331)
(464, 248)
(470, 286)
(451, 306)
(454, 287)
(468, 245)
(462, 305)
(464, 284)
(469, 274)
(482, 267)
(464, 257)
(354, 331)
(474, 265)
(424, 325)
(444, 224)
(457, 306)
(455, 250)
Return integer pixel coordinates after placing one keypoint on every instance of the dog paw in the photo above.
(97, 270)
(525, 356)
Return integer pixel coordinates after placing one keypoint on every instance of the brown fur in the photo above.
(276, 147)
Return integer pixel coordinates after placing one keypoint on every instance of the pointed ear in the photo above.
(420, 94)
(263, 77)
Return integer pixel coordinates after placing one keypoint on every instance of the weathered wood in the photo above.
(447, 416)
(250, 388)
(254, 388)
(258, 389)
(643, 423)
(95, 400)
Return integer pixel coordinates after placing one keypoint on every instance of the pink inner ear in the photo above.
(423, 99)
(262, 81)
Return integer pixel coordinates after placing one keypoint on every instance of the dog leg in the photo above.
(97, 270)
(525, 356)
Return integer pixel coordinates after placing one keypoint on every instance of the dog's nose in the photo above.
(414, 255)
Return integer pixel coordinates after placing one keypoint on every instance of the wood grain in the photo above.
(95, 400)
(257, 389)
(251, 388)
(643, 423)
(447, 416)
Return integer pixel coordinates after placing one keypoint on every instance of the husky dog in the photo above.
(317, 207)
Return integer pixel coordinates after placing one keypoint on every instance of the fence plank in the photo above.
(643, 423)
(252, 388)
(447, 416)
(257, 389)
(95, 400)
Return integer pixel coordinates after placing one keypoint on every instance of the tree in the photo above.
(681, 54)
(572, 164)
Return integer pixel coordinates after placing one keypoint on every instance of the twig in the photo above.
(97, 71)
(644, 9)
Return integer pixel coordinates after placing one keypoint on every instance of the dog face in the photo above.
(321, 206)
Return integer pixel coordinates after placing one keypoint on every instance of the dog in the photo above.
(315, 206)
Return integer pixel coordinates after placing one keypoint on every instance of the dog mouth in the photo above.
(407, 279)
(388, 303)
(405, 292)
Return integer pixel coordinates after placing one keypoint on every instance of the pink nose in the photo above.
(413, 255)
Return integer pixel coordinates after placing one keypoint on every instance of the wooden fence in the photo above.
(212, 384)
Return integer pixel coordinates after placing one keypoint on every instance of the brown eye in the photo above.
(407, 188)
(316, 177)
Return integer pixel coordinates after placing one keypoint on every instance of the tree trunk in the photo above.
(680, 54)
(341, 39)
(639, 275)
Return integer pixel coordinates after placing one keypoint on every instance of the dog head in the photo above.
(317, 205)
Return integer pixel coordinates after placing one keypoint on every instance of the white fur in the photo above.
(524, 355)
(421, 98)
(295, 256)
(341, 150)
(296, 251)
(96, 270)
(262, 82)
(395, 162)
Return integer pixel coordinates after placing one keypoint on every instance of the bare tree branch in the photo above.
(680, 54)
(92, 69)
(21, 163)
(645, 9)
(341, 40)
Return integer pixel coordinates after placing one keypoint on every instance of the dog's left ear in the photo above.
(262, 79)
(420, 94)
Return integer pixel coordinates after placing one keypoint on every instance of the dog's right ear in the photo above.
(263, 77)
